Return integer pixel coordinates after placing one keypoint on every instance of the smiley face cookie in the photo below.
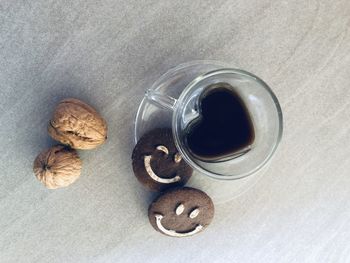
(156, 162)
(181, 212)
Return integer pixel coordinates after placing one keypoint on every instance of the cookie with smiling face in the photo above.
(181, 212)
(156, 162)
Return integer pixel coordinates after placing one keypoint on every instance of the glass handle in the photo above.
(161, 100)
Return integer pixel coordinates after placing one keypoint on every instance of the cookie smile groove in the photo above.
(147, 162)
(172, 232)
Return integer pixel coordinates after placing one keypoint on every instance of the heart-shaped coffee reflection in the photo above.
(224, 128)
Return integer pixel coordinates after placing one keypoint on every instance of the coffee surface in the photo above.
(224, 127)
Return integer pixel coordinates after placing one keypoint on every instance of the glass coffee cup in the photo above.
(175, 98)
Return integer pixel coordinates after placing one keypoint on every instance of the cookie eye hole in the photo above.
(194, 213)
(163, 149)
(179, 209)
(177, 158)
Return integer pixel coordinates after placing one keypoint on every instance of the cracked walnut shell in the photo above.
(57, 167)
(78, 125)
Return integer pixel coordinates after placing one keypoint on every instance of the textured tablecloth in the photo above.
(107, 53)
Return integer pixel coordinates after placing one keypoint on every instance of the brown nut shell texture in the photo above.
(57, 167)
(77, 124)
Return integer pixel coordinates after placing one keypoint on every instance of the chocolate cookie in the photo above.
(181, 212)
(156, 162)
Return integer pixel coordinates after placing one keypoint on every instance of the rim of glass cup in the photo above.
(177, 113)
(225, 68)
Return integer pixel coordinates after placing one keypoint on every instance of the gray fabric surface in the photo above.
(107, 53)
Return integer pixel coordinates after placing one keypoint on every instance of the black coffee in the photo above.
(224, 127)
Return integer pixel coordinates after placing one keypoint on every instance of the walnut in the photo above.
(57, 167)
(78, 125)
